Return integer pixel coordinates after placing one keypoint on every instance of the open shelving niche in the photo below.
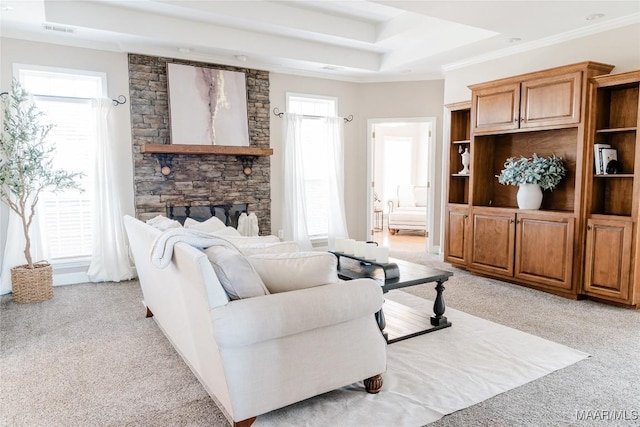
(460, 138)
(616, 124)
(492, 151)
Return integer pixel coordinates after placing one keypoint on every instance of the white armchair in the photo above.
(408, 211)
(257, 354)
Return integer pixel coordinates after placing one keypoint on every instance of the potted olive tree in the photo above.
(26, 169)
(532, 175)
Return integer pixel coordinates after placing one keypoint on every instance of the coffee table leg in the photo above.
(438, 306)
(382, 323)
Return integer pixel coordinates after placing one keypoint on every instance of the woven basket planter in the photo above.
(32, 284)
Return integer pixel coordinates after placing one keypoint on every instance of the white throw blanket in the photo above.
(162, 249)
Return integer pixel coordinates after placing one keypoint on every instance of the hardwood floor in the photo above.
(406, 240)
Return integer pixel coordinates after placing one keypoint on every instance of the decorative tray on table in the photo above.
(366, 267)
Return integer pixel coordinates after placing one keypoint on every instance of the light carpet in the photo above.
(435, 374)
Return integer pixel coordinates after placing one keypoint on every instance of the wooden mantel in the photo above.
(223, 150)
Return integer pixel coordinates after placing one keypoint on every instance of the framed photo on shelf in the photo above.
(610, 161)
(600, 165)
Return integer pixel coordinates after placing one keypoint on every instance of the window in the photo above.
(65, 98)
(315, 158)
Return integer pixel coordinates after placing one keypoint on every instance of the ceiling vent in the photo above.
(58, 28)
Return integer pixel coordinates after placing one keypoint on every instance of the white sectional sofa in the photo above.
(408, 210)
(308, 334)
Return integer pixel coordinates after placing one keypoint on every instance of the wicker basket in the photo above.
(32, 284)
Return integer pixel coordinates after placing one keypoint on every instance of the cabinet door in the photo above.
(456, 235)
(492, 241)
(544, 249)
(551, 101)
(608, 259)
(496, 108)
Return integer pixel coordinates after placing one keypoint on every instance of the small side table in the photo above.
(377, 219)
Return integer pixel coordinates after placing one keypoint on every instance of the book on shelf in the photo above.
(608, 155)
(600, 165)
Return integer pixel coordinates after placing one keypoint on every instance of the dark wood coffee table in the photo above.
(399, 322)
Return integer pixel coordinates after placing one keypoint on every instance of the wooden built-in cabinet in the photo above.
(492, 241)
(456, 222)
(543, 100)
(457, 185)
(584, 241)
(608, 260)
(526, 246)
(612, 201)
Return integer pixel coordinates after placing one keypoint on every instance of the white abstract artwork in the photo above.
(207, 106)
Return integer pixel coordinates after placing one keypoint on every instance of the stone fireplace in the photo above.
(195, 179)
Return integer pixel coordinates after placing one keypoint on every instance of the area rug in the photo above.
(435, 374)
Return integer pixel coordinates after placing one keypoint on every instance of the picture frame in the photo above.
(207, 106)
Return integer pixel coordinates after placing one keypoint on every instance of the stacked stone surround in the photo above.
(195, 180)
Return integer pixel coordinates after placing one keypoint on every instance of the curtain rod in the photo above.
(121, 99)
(279, 113)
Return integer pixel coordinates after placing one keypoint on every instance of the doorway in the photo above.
(400, 154)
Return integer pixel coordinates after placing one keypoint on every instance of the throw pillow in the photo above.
(163, 223)
(237, 276)
(406, 197)
(420, 194)
(226, 232)
(210, 225)
(291, 271)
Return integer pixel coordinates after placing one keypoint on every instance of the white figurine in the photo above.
(465, 162)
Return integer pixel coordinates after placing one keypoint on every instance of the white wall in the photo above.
(363, 101)
(345, 92)
(401, 100)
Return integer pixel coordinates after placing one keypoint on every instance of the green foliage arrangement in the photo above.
(544, 171)
(26, 160)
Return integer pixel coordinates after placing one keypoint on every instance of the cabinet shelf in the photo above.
(615, 130)
(464, 141)
(614, 176)
(460, 175)
(611, 216)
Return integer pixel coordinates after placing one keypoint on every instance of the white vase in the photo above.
(529, 196)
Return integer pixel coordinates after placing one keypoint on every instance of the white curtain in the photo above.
(110, 255)
(337, 228)
(294, 216)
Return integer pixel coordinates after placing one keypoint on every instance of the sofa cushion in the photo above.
(290, 271)
(210, 225)
(269, 248)
(237, 276)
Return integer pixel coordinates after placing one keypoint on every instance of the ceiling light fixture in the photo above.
(242, 58)
(332, 68)
(184, 50)
(594, 16)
